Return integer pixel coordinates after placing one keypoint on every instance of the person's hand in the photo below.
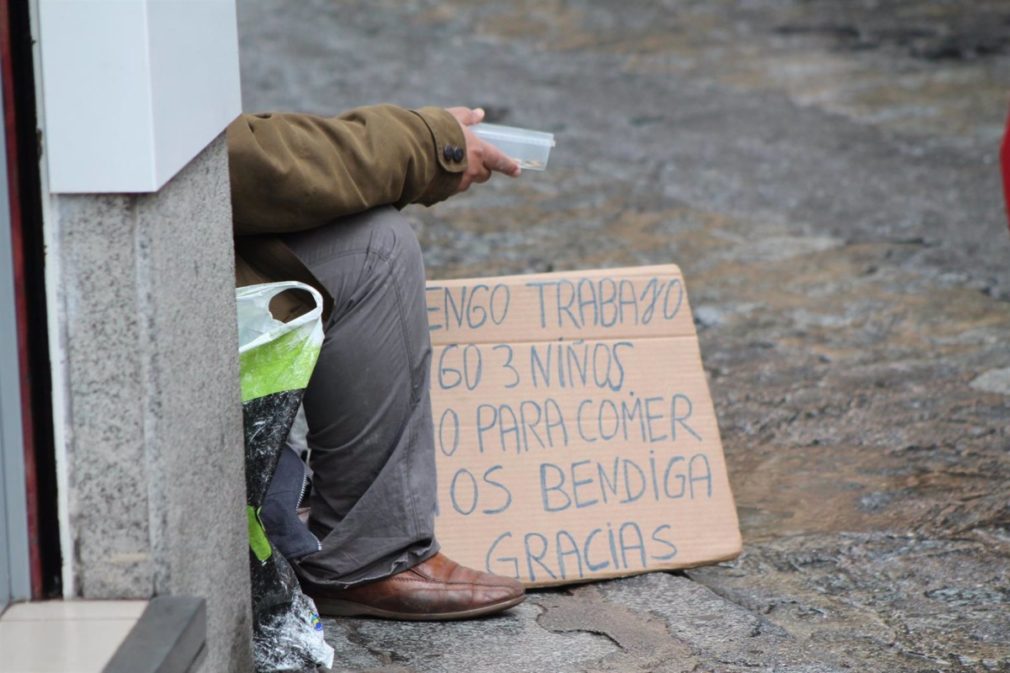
(481, 158)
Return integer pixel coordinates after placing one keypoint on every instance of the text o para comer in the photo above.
(525, 425)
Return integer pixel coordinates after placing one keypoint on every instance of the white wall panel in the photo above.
(134, 89)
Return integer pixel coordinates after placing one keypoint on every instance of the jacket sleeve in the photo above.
(293, 171)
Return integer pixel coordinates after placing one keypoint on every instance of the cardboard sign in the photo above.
(574, 431)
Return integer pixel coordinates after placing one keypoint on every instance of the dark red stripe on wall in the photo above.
(20, 133)
(1004, 156)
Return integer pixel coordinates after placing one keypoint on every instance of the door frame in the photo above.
(27, 447)
(15, 568)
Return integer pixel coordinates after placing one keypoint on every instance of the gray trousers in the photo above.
(368, 404)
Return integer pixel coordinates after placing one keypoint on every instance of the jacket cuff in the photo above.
(448, 143)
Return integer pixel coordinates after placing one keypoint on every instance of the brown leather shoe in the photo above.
(436, 589)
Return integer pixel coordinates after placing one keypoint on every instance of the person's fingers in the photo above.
(462, 114)
(482, 174)
(495, 160)
(477, 166)
(466, 116)
(482, 157)
(472, 116)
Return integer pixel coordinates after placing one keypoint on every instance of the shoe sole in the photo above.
(333, 607)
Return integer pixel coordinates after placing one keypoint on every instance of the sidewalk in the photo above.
(826, 178)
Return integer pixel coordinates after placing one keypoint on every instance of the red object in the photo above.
(20, 297)
(1004, 157)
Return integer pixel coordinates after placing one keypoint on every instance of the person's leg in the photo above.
(370, 431)
(367, 405)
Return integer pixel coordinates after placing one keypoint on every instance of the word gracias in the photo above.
(564, 556)
(561, 555)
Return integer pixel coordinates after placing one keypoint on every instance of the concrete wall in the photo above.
(152, 458)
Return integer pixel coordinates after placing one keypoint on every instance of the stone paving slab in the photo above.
(824, 172)
(514, 641)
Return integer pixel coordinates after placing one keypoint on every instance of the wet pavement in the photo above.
(824, 172)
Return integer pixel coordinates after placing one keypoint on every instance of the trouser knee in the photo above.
(394, 240)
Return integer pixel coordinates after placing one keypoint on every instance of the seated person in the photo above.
(316, 200)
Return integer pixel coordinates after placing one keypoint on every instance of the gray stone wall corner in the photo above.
(154, 460)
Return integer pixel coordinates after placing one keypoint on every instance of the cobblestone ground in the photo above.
(824, 172)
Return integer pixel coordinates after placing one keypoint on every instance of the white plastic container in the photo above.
(530, 148)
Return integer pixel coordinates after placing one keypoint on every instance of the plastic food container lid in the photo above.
(515, 134)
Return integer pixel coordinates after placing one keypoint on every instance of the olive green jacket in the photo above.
(291, 172)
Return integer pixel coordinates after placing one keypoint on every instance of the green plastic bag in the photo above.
(276, 360)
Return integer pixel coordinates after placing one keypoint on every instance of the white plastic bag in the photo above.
(276, 356)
